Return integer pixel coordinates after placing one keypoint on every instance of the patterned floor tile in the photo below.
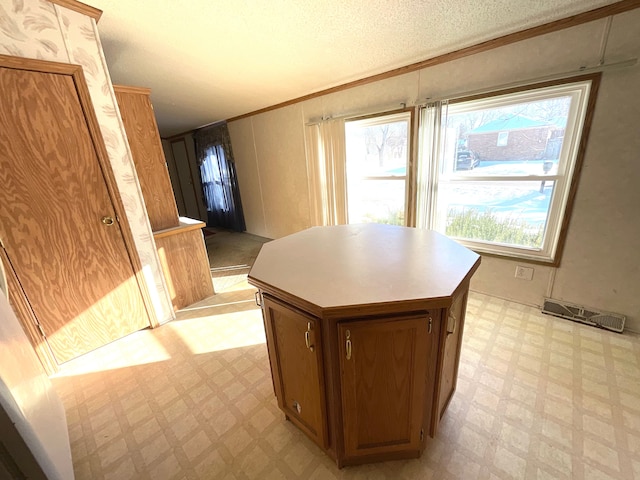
(538, 398)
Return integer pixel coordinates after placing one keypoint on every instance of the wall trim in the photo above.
(557, 25)
(80, 7)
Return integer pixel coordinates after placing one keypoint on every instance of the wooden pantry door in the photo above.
(58, 218)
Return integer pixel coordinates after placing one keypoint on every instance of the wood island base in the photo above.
(364, 326)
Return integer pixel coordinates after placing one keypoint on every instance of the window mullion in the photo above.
(531, 178)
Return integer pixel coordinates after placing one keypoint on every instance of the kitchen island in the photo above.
(364, 326)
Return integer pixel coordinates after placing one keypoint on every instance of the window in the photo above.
(496, 173)
(218, 174)
(503, 138)
(377, 156)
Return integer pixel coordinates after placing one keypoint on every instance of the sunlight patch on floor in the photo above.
(139, 348)
(220, 332)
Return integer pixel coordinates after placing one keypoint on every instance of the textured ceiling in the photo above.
(209, 60)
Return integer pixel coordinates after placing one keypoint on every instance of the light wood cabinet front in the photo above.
(146, 148)
(383, 366)
(295, 352)
(185, 264)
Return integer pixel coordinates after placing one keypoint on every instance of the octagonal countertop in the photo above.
(370, 264)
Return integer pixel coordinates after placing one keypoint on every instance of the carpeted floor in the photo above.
(231, 255)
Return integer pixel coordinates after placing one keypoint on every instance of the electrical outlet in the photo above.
(524, 273)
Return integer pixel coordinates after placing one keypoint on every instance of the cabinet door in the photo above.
(384, 366)
(295, 353)
(452, 331)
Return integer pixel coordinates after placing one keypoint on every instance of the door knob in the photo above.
(108, 221)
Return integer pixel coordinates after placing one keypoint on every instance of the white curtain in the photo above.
(429, 145)
(326, 170)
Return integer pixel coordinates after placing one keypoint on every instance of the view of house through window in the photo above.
(377, 154)
(504, 166)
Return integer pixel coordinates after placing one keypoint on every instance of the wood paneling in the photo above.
(75, 271)
(185, 264)
(21, 307)
(146, 147)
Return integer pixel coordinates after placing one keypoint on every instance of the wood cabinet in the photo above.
(185, 263)
(146, 148)
(364, 328)
(179, 240)
(384, 375)
(296, 361)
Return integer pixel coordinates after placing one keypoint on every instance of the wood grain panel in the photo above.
(146, 147)
(186, 224)
(23, 311)
(75, 271)
(300, 384)
(383, 383)
(185, 265)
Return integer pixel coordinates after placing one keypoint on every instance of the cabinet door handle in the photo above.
(258, 299)
(451, 324)
(307, 337)
(430, 324)
(348, 345)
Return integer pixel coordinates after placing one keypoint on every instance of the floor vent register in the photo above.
(586, 315)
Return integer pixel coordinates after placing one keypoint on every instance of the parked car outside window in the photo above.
(466, 160)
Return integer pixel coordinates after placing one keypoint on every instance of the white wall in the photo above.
(29, 403)
(600, 266)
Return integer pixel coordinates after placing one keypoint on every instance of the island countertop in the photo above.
(350, 265)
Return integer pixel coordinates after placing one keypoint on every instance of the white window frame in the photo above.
(432, 172)
(405, 115)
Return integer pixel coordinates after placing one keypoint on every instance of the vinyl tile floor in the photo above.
(537, 398)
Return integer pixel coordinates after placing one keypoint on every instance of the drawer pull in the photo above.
(348, 345)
